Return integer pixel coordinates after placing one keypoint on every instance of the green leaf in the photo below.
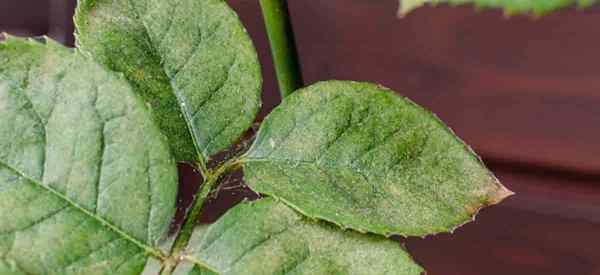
(360, 156)
(189, 268)
(87, 183)
(537, 7)
(191, 60)
(267, 237)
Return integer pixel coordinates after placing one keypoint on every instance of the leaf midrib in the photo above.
(151, 250)
(180, 102)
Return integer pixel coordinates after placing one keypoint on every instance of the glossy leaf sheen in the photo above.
(360, 156)
(87, 183)
(267, 237)
(191, 60)
(537, 7)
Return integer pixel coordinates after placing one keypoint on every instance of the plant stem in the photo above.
(283, 46)
(193, 215)
(211, 180)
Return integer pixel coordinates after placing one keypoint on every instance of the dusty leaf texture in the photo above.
(192, 61)
(87, 182)
(267, 237)
(362, 157)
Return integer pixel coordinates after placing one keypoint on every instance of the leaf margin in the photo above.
(494, 198)
(46, 43)
(408, 6)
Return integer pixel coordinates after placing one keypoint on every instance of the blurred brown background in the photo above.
(525, 93)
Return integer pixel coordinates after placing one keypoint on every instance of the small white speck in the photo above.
(272, 143)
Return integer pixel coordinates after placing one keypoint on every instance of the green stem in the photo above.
(283, 46)
(211, 180)
(167, 268)
(193, 215)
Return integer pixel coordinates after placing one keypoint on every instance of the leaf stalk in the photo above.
(212, 179)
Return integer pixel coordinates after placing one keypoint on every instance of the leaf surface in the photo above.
(267, 237)
(191, 60)
(537, 7)
(87, 182)
(360, 156)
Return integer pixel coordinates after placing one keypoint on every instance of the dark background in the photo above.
(525, 93)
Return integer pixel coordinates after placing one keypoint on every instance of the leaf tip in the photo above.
(499, 195)
(491, 196)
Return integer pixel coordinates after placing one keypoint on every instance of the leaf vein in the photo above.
(37, 221)
(152, 251)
